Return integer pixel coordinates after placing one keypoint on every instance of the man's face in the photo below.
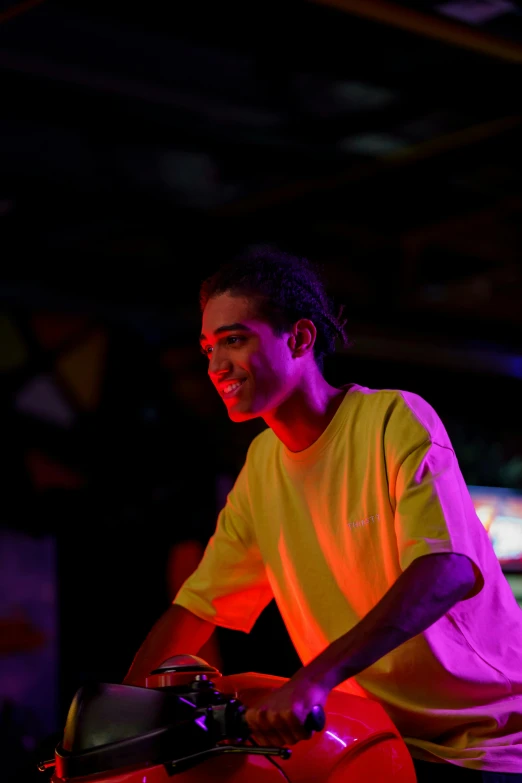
(251, 368)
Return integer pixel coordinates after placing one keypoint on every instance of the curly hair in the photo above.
(286, 288)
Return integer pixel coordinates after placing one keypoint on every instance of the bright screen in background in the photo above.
(500, 511)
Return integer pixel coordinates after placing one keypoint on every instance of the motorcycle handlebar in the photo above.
(236, 725)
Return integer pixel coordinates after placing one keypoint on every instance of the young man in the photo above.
(352, 512)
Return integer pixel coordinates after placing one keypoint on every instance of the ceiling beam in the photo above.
(430, 26)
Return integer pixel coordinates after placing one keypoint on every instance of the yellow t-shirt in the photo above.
(328, 530)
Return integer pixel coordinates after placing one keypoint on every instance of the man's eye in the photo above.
(231, 339)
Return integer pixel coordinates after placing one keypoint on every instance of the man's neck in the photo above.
(302, 419)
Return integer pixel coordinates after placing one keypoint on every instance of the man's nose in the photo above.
(218, 364)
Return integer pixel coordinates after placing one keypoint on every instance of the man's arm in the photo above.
(176, 632)
(424, 592)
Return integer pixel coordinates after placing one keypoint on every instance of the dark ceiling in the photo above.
(382, 139)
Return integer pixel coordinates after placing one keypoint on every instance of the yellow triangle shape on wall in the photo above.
(82, 370)
(13, 352)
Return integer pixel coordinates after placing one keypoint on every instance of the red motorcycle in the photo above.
(187, 726)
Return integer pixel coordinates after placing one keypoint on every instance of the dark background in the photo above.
(139, 149)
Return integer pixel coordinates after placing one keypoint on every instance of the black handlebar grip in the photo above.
(316, 719)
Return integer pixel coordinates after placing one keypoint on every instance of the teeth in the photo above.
(231, 387)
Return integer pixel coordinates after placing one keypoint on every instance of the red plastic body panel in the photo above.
(227, 769)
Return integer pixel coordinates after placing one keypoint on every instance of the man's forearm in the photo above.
(428, 588)
(176, 632)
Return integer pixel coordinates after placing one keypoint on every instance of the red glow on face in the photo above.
(244, 349)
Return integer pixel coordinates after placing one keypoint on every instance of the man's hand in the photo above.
(278, 719)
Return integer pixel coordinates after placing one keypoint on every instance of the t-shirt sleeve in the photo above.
(230, 587)
(433, 509)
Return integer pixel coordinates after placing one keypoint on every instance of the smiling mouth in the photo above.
(231, 389)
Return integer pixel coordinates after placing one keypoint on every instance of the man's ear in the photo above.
(303, 337)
